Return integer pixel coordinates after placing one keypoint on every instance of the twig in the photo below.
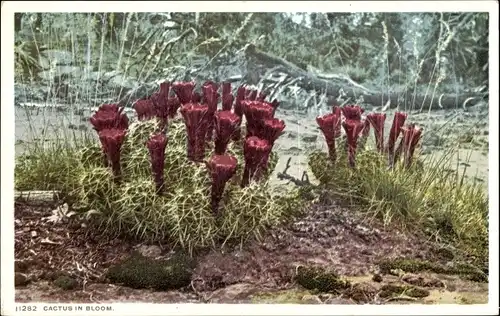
(304, 180)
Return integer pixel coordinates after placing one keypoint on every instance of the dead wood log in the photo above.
(351, 90)
(36, 196)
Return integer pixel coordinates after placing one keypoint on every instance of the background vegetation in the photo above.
(389, 51)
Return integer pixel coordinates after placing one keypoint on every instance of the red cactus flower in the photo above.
(165, 88)
(109, 116)
(184, 91)
(226, 124)
(329, 124)
(111, 141)
(240, 96)
(156, 146)
(112, 107)
(352, 112)
(270, 130)
(238, 109)
(366, 129)
(210, 96)
(164, 93)
(211, 83)
(227, 96)
(145, 109)
(166, 106)
(397, 124)
(377, 120)
(411, 136)
(161, 108)
(255, 112)
(338, 112)
(365, 132)
(222, 168)
(256, 152)
(196, 97)
(196, 120)
(173, 104)
(352, 129)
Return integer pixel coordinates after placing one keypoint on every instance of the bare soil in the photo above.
(328, 236)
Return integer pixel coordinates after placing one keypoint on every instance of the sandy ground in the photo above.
(301, 136)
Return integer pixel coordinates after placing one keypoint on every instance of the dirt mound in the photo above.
(328, 236)
(50, 254)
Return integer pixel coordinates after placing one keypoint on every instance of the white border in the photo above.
(7, 126)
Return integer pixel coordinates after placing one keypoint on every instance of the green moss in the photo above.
(312, 278)
(65, 282)
(391, 290)
(465, 270)
(140, 272)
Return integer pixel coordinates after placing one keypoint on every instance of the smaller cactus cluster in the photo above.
(357, 131)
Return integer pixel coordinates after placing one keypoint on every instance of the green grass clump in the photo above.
(182, 215)
(53, 167)
(426, 196)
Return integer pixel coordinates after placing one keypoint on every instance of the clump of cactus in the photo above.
(189, 170)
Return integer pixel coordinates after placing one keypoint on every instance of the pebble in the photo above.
(20, 279)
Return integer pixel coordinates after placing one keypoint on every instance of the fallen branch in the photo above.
(333, 86)
(304, 180)
(36, 196)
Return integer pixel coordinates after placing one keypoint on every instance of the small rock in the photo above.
(325, 296)
(20, 279)
(377, 278)
(366, 252)
(338, 301)
(291, 135)
(234, 293)
(309, 138)
(293, 150)
(362, 292)
(149, 251)
(445, 253)
(20, 266)
(422, 281)
(311, 299)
